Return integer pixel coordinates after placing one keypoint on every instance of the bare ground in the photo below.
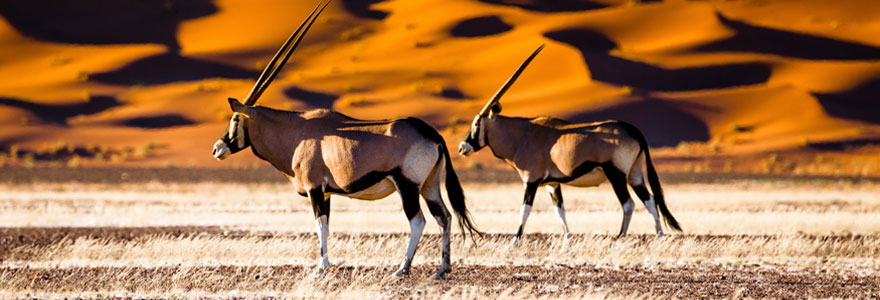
(757, 280)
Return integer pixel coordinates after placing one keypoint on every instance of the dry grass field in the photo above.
(744, 238)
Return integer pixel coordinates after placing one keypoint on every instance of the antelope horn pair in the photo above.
(284, 54)
(503, 89)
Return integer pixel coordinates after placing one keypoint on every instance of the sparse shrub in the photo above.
(683, 147)
(85, 95)
(29, 160)
(74, 161)
(13, 152)
(453, 122)
(805, 142)
(82, 76)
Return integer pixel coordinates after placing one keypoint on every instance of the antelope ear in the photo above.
(494, 110)
(238, 107)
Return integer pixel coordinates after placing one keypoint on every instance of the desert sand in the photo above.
(715, 85)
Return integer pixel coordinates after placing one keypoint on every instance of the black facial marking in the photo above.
(232, 143)
(473, 137)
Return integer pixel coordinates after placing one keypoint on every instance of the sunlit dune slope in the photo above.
(737, 77)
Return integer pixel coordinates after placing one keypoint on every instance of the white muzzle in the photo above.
(465, 149)
(221, 150)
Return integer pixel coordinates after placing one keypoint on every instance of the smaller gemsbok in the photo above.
(327, 153)
(551, 152)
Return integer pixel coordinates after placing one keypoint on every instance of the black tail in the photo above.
(456, 196)
(453, 186)
(653, 179)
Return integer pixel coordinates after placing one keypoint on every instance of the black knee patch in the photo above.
(617, 179)
(642, 191)
(531, 189)
(556, 195)
(437, 210)
(409, 195)
(320, 206)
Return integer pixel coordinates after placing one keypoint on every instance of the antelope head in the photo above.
(236, 137)
(476, 137)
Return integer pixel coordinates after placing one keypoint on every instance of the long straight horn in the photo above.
(286, 50)
(509, 82)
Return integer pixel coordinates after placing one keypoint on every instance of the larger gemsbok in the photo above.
(327, 153)
(551, 152)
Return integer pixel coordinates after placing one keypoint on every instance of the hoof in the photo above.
(319, 273)
(513, 244)
(400, 272)
(441, 274)
(660, 235)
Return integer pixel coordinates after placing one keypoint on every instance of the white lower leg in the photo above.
(524, 213)
(560, 211)
(627, 215)
(321, 223)
(416, 225)
(652, 208)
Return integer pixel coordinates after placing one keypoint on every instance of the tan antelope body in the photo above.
(326, 153)
(552, 152)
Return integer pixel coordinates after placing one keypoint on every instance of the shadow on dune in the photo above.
(122, 22)
(750, 38)
(611, 69)
(104, 21)
(453, 93)
(662, 122)
(361, 9)
(550, 5)
(480, 26)
(311, 98)
(168, 68)
(844, 145)
(58, 114)
(860, 103)
(158, 121)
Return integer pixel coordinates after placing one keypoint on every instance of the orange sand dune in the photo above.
(738, 77)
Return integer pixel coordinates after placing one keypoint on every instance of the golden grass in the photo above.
(744, 226)
(769, 208)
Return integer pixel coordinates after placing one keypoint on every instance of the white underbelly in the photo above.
(594, 178)
(375, 192)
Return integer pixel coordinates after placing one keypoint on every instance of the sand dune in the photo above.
(742, 77)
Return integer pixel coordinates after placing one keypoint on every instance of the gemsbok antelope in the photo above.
(327, 153)
(551, 152)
